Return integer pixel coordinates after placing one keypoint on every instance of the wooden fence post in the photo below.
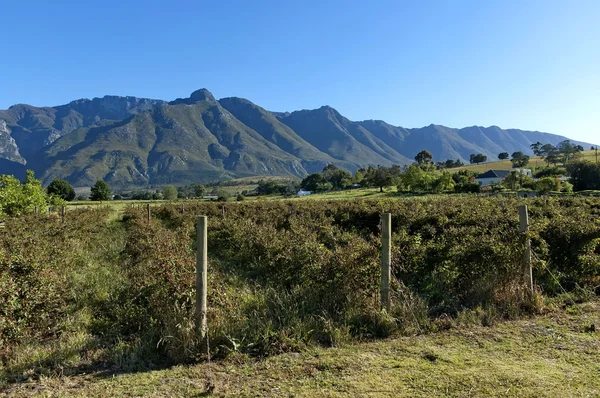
(37, 212)
(182, 208)
(63, 213)
(201, 275)
(524, 219)
(223, 210)
(149, 213)
(386, 257)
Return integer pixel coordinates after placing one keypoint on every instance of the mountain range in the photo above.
(129, 141)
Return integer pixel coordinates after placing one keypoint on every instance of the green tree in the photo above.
(314, 182)
(536, 148)
(512, 180)
(567, 149)
(62, 189)
(100, 191)
(415, 179)
(338, 178)
(519, 160)
(17, 199)
(584, 175)
(169, 192)
(464, 181)
(503, 156)
(424, 157)
(270, 188)
(548, 184)
(199, 190)
(547, 152)
(380, 177)
(444, 182)
(477, 158)
(359, 175)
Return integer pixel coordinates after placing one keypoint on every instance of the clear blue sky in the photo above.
(530, 64)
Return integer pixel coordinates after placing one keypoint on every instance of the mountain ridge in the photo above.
(131, 141)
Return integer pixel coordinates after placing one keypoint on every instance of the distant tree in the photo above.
(464, 181)
(416, 179)
(199, 190)
(157, 195)
(141, 195)
(100, 191)
(512, 180)
(548, 153)
(380, 177)
(62, 189)
(503, 156)
(584, 175)
(338, 178)
(450, 164)
(359, 175)
(444, 182)
(314, 182)
(477, 158)
(424, 157)
(270, 187)
(548, 184)
(519, 159)
(567, 149)
(536, 148)
(169, 192)
(550, 172)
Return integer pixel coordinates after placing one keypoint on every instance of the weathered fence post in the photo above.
(201, 275)
(63, 213)
(149, 213)
(182, 208)
(524, 219)
(223, 210)
(37, 212)
(386, 257)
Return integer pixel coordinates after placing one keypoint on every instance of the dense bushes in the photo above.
(36, 260)
(309, 270)
(285, 274)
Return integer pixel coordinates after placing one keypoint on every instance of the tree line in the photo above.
(424, 175)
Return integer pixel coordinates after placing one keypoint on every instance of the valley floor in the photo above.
(552, 355)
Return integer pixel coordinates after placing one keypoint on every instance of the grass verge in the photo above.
(553, 355)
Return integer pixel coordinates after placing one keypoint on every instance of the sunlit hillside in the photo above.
(507, 165)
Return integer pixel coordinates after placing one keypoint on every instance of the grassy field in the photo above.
(507, 165)
(552, 355)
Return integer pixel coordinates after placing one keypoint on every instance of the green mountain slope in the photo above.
(33, 128)
(131, 141)
(187, 140)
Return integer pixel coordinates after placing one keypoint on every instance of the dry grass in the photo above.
(507, 165)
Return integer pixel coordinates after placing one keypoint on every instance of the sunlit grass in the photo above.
(550, 356)
(507, 165)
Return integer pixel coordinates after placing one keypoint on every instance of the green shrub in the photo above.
(283, 275)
